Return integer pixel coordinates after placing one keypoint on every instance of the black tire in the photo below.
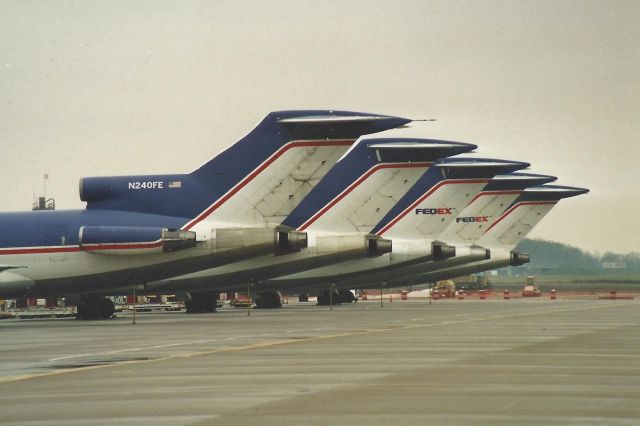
(325, 299)
(345, 296)
(107, 308)
(95, 307)
(269, 300)
(201, 303)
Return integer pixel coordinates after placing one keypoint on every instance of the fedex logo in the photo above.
(441, 210)
(472, 219)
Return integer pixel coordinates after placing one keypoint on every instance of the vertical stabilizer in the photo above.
(488, 205)
(367, 182)
(523, 214)
(439, 196)
(255, 182)
(262, 177)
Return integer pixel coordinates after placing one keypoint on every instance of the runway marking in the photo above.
(268, 344)
(168, 345)
(130, 420)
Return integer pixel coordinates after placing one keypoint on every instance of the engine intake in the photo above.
(518, 259)
(378, 246)
(442, 251)
(481, 251)
(291, 241)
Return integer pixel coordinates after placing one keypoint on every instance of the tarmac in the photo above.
(521, 361)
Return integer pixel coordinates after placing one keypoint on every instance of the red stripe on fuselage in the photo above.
(39, 250)
(121, 246)
(356, 184)
(84, 247)
(260, 169)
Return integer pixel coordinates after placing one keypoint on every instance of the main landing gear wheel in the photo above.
(269, 300)
(345, 296)
(201, 303)
(325, 298)
(95, 307)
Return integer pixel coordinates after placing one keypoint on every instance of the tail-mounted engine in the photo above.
(377, 246)
(290, 241)
(480, 252)
(518, 259)
(442, 251)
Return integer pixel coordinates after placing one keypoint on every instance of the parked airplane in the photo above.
(451, 182)
(336, 216)
(416, 221)
(463, 233)
(501, 237)
(137, 229)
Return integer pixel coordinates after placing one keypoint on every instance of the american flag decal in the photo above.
(176, 184)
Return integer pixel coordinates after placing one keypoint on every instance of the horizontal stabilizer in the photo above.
(409, 149)
(461, 168)
(335, 124)
(332, 119)
(550, 193)
(514, 181)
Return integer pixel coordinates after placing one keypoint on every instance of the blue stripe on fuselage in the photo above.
(221, 174)
(46, 228)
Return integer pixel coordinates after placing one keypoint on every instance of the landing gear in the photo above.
(269, 300)
(336, 297)
(95, 307)
(325, 298)
(345, 296)
(200, 303)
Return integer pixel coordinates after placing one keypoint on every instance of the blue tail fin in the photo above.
(488, 205)
(524, 214)
(367, 182)
(439, 196)
(264, 174)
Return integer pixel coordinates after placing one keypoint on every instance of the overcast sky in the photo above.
(120, 87)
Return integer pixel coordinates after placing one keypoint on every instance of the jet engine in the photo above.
(289, 241)
(518, 259)
(442, 251)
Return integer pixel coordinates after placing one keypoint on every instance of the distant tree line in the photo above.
(554, 258)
